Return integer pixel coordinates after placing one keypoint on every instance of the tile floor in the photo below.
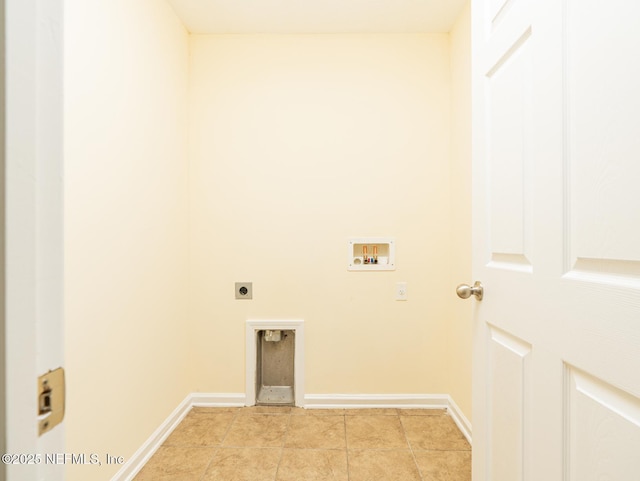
(293, 444)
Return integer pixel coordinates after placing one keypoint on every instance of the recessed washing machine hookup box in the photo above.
(371, 254)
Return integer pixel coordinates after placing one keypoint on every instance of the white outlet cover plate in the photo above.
(401, 291)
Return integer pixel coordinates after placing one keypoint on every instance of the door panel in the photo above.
(508, 123)
(556, 211)
(509, 382)
(497, 11)
(603, 432)
(601, 84)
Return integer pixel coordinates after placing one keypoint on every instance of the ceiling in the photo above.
(318, 16)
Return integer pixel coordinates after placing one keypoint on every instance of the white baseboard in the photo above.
(312, 401)
(217, 400)
(406, 401)
(460, 419)
(151, 445)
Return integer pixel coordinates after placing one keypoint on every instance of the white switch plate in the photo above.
(401, 291)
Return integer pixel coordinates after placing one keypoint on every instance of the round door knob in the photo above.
(465, 291)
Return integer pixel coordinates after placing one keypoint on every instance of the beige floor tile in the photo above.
(444, 465)
(257, 430)
(320, 432)
(207, 410)
(375, 465)
(313, 465)
(201, 430)
(433, 433)
(266, 410)
(231, 444)
(317, 412)
(243, 464)
(375, 432)
(170, 463)
(371, 412)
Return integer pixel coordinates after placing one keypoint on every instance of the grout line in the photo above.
(413, 455)
(284, 442)
(235, 415)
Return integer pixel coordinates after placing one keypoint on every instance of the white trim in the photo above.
(151, 445)
(405, 401)
(217, 400)
(33, 342)
(460, 419)
(252, 327)
(311, 401)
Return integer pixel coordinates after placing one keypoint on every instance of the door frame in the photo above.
(3, 390)
(33, 223)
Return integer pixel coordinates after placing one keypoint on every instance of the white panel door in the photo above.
(556, 222)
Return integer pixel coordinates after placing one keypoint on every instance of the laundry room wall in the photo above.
(126, 346)
(297, 143)
(196, 161)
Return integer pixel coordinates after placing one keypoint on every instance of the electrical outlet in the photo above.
(244, 290)
(401, 291)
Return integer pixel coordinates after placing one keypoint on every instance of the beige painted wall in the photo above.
(297, 143)
(460, 325)
(126, 177)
